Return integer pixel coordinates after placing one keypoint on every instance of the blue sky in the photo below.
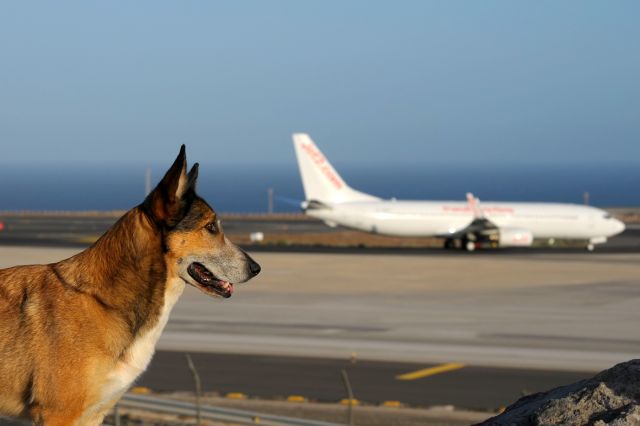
(373, 82)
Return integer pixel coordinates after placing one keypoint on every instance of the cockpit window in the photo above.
(607, 216)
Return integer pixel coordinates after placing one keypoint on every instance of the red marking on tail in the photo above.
(320, 161)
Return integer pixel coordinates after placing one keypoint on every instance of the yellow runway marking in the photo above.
(431, 371)
(236, 395)
(296, 398)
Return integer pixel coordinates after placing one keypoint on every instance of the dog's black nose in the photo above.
(254, 267)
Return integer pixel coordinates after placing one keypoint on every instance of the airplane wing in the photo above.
(481, 230)
(479, 225)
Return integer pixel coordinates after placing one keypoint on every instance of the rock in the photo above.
(610, 398)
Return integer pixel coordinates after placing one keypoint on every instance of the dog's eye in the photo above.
(212, 227)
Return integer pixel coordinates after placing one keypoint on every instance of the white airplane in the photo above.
(467, 225)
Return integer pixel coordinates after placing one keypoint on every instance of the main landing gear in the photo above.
(464, 244)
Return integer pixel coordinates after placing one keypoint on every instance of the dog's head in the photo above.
(197, 249)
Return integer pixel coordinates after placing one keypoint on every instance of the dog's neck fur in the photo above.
(124, 270)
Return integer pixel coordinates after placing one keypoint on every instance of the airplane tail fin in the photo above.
(320, 180)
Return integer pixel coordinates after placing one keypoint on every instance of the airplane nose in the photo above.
(618, 226)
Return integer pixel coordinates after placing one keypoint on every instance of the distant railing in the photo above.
(242, 417)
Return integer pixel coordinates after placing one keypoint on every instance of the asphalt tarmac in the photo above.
(373, 382)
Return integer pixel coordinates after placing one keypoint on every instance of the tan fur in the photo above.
(75, 334)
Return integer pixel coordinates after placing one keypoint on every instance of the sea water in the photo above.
(243, 188)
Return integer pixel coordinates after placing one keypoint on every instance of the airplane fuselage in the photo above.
(441, 218)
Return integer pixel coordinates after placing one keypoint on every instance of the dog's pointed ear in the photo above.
(174, 182)
(168, 201)
(192, 177)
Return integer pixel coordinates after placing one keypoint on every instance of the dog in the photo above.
(74, 335)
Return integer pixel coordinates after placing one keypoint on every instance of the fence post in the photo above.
(347, 385)
(196, 379)
(116, 415)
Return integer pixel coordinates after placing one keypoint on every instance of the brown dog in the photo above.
(75, 334)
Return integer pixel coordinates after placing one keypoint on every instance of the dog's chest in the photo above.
(141, 351)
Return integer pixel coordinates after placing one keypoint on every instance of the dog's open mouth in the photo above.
(208, 282)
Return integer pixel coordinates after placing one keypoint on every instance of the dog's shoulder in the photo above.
(16, 282)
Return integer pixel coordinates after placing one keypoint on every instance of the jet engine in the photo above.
(515, 237)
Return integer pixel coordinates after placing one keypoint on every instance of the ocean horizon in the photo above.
(243, 188)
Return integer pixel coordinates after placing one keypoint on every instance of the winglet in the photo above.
(474, 204)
